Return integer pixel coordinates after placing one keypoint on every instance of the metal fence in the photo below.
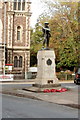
(65, 77)
(19, 76)
(33, 76)
(30, 75)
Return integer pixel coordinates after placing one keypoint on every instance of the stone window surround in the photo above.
(18, 61)
(20, 33)
(15, 62)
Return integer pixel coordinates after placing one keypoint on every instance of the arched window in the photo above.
(15, 61)
(15, 4)
(23, 5)
(18, 33)
(20, 61)
(19, 4)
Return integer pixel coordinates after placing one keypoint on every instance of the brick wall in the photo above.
(16, 47)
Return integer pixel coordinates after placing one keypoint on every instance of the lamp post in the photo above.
(5, 1)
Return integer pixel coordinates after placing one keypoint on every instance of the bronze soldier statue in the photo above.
(46, 34)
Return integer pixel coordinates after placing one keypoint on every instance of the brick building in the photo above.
(15, 31)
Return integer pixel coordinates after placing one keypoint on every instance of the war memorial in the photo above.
(46, 75)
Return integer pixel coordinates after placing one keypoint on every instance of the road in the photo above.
(14, 86)
(20, 86)
(15, 107)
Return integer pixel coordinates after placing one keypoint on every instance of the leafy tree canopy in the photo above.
(64, 24)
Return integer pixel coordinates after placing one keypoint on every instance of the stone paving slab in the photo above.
(63, 97)
(38, 89)
(68, 98)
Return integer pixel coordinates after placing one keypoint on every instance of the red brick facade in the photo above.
(17, 36)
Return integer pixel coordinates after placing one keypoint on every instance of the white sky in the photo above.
(36, 9)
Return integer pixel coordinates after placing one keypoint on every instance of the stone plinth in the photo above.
(46, 69)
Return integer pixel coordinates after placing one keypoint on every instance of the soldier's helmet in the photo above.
(46, 23)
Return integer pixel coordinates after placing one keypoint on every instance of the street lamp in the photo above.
(5, 1)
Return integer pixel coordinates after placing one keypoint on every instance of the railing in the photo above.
(31, 75)
(19, 76)
(65, 76)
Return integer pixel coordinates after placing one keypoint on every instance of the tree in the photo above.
(65, 33)
(64, 25)
(36, 43)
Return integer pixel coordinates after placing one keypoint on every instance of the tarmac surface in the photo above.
(17, 107)
(68, 98)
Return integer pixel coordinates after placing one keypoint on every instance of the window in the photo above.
(15, 61)
(6, 54)
(19, 4)
(9, 57)
(15, 4)
(23, 5)
(18, 35)
(20, 61)
(18, 32)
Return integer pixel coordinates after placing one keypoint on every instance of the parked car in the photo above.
(77, 76)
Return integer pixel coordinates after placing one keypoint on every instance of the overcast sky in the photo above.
(36, 9)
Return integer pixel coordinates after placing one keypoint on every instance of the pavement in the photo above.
(68, 98)
(22, 81)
